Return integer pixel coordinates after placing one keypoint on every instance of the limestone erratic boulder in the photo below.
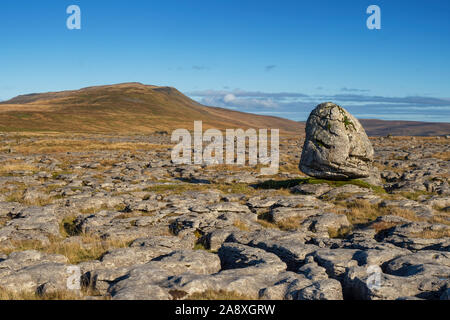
(336, 145)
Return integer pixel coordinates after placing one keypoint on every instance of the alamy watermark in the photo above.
(235, 139)
(374, 20)
(74, 20)
(74, 278)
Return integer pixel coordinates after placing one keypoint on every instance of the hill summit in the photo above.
(124, 108)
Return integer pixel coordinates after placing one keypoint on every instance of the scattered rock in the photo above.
(141, 227)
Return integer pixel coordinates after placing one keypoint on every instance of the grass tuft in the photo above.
(85, 248)
(218, 295)
(362, 211)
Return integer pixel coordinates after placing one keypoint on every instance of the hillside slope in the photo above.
(376, 127)
(124, 108)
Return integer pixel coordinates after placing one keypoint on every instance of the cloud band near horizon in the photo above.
(296, 106)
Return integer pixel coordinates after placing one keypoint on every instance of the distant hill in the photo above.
(376, 127)
(125, 108)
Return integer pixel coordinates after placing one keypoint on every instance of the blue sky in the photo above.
(271, 57)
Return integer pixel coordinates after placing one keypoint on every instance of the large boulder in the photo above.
(336, 145)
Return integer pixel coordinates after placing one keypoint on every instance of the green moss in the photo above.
(178, 188)
(218, 295)
(200, 246)
(347, 123)
(173, 188)
(235, 188)
(287, 184)
(416, 195)
(198, 234)
(68, 227)
(340, 233)
(320, 143)
(56, 174)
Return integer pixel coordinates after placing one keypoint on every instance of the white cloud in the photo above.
(229, 98)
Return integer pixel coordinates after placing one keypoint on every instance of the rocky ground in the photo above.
(139, 227)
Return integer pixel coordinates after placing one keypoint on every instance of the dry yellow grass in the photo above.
(84, 248)
(15, 196)
(241, 225)
(10, 166)
(416, 195)
(433, 234)
(362, 211)
(395, 141)
(49, 146)
(228, 167)
(289, 224)
(39, 201)
(442, 216)
(444, 209)
(383, 225)
(266, 224)
(124, 108)
(290, 166)
(5, 108)
(442, 155)
(341, 232)
(93, 210)
(218, 295)
(60, 295)
(172, 187)
(107, 163)
(383, 167)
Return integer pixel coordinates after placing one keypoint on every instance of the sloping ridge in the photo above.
(125, 108)
(376, 127)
